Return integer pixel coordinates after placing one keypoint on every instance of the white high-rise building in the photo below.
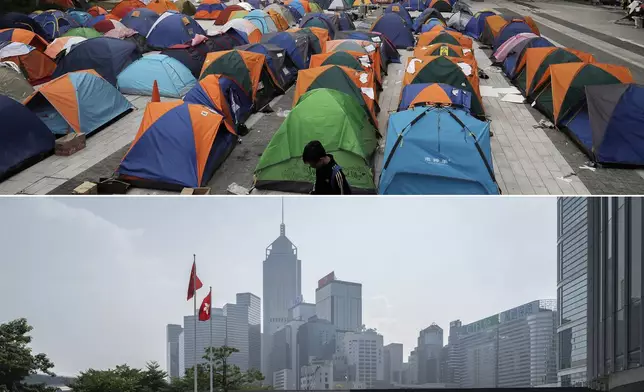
(282, 289)
(254, 304)
(173, 332)
(182, 356)
(317, 376)
(283, 379)
(393, 357)
(364, 352)
(339, 302)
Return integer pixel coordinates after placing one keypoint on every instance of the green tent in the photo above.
(339, 123)
(85, 32)
(343, 58)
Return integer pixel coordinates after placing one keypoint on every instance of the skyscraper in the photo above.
(339, 302)
(282, 289)
(572, 292)
(365, 357)
(173, 333)
(430, 345)
(203, 336)
(254, 304)
(393, 358)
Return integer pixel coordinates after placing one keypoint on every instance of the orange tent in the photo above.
(321, 34)
(442, 50)
(360, 85)
(355, 60)
(24, 36)
(566, 90)
(432, 94)
(96, 11)
(125, 6)
(228, 12)
(305, 4)
(444, 37)
(161, 6)
(356, 45)
(494, 24)
(279, 20)
(59, 44)
(35, 65)
(538, 61)
(454, 71)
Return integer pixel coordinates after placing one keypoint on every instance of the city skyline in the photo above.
(155, 234)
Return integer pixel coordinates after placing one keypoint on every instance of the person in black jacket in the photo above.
(329, 178)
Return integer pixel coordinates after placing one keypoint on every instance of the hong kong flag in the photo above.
(204, 310)
(194, 284)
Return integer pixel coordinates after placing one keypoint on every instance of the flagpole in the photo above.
(194, 285)
(210, 356)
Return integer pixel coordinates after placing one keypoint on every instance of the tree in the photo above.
(123, 379)
(17, 360)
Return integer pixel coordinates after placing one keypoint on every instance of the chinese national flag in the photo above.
(194, 284)
(204, 310)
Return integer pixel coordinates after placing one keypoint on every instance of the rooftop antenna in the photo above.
(282, 225)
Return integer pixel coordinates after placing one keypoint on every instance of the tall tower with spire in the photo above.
(282, 279)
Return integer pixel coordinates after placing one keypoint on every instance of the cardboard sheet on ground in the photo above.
(508, 90)
(489, 91)
(514, 98)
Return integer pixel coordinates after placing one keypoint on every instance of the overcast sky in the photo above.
(99, 278)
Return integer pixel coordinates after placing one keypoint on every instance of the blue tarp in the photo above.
(437, 155)
(509, 31)
(107, 56)
(22, 136)
(394, 28)
(173, 78)
(173, 28)
(402, 12)
(140, 20)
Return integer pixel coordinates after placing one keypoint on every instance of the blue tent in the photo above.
(345, 21)
(23, 137)
(425, 16)
(512, 60)
(262, 20)
(433, 22)
(81, 17)
(53, 24)
(173, 78)
(415, 5)
(610, 127)
(173, 28)
(297, 51)
(475, 26)
(510, 30)
(321, 20)
(108, 56)
(295, 12)
(15, 20)
(458, 97)
(437, 151)
(388, 51)
(239, 104)
(295, 4)
(402, 12)
(141, 20)
(255, 3)
(394, 28)
(277, 60)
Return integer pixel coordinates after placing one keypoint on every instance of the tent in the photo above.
(433, 25)
(280, 22)
(357, 84)
(178, 145)
(24, 139)
(322, 21)
(246, 5)
(441, 5)
(427, 14)
(437, 151)
(231, 12)
(388, 51)
(12, 83)
(81, 17)
(338, 5)
(209, 9)
(62, 44)
(193, 57)
(186, 7)
(317, 37)
(262, 20)
(24, 36)
(434, 94)
(126, 6)
(284, 11)
(459, 20)
(108, 25)
(493, 29)
(401, 11)
(359, 46)
(256, 4)
(537, 67)
(296, 14)
(415, 5)
(297, 46)
(141, 20)
(248, 69)
(609, 127)
(504, 50)
(107, 56)
(394, 28)
(173, 78)
(444, 37)
(223, 95)
(251, 33)
(53, 24)
(277, 60)
(563, 94)
(353, 60)
(80, 102)
(462, 72)
(96, 11)
(34, 64)
(15, 20)
(515, 61)
(85, 32)
(338, 122)
(172, 29)
(442, 50)
(161, 6)
(475, 26)
(345, 21)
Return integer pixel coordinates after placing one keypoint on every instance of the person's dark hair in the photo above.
(313, 152)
